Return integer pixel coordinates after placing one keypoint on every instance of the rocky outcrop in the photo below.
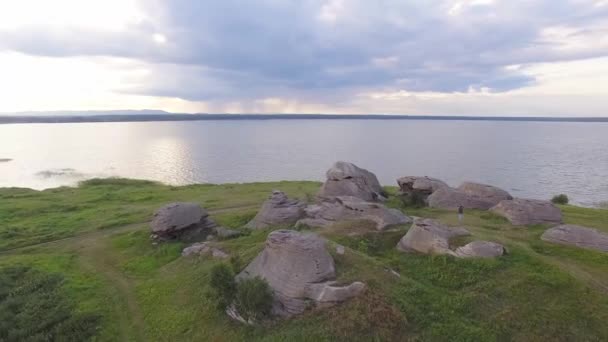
(469, 195)
(349, 208)
(521, 212)
(346, 179)
(182, 221)
(578, 236)
(204, 248)
(480, 249)
(429, 236)
(419, 186)
(299, 270)
(277, 210)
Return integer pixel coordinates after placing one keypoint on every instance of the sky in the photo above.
(432, 57)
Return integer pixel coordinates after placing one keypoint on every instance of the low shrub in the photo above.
(236, 263)
(560, 199)
(253, 298)
(223, 285)
(34, 308)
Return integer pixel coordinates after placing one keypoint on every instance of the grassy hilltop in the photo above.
(78, 263)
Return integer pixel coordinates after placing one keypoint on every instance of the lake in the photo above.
(529, 159)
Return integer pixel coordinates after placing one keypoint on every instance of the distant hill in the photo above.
(159, 115)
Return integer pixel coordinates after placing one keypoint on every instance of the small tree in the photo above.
(560, 199)
(253, 298)
(223, 284)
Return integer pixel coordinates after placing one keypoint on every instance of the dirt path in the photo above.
(93, 257)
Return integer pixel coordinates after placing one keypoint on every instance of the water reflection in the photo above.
(529, 159)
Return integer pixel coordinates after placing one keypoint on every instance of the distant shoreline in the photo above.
(28, 119)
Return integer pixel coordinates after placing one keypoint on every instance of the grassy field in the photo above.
(94, 238)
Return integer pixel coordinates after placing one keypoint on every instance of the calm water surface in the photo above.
(529, 159)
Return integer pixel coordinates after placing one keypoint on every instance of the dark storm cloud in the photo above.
(250, 49)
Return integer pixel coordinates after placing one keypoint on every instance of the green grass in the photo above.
(31, 217)
(145, 292)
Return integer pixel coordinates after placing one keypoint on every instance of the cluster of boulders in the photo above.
(300, 272)
(298, 267)
(350, 193)
(519, 211)
(429, 236)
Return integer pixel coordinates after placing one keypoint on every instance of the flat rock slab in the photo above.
(480, 249)
(578, 236)
(521, 212)
(299, 270)
(204, 248)
(183, 221)
(469, 195)
(277, 210)
(429, 236)
(347, 179)
(349, 208)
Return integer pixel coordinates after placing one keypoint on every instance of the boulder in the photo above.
(521, 212)
(422, 186)
(225, 233)
(349, 208)
(489, 193)
(578, 236)
(469, 195)
(277, 210)
(480, 249)
(346, 179)
(204, 248)
(299, 270)
(182, 221)
(429, 236)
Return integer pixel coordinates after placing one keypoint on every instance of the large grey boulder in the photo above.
(469, 195)
(299, 270)
(278, 210)
(429, 236)
(521, 212)
(182, 221)
(578, 236)
(489, 194)
(420, 186)
(480, 249)
(349, 208)
(347, 179)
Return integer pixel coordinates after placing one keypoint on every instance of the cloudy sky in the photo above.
(445, 57)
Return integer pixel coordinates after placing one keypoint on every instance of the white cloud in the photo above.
(110, 15)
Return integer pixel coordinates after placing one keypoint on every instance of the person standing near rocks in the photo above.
(460, 213)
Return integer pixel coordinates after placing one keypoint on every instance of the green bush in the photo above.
(413, 200)
(223, 284)
(33, 308)
(560, 199)
(253, 298)
(236, 263)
